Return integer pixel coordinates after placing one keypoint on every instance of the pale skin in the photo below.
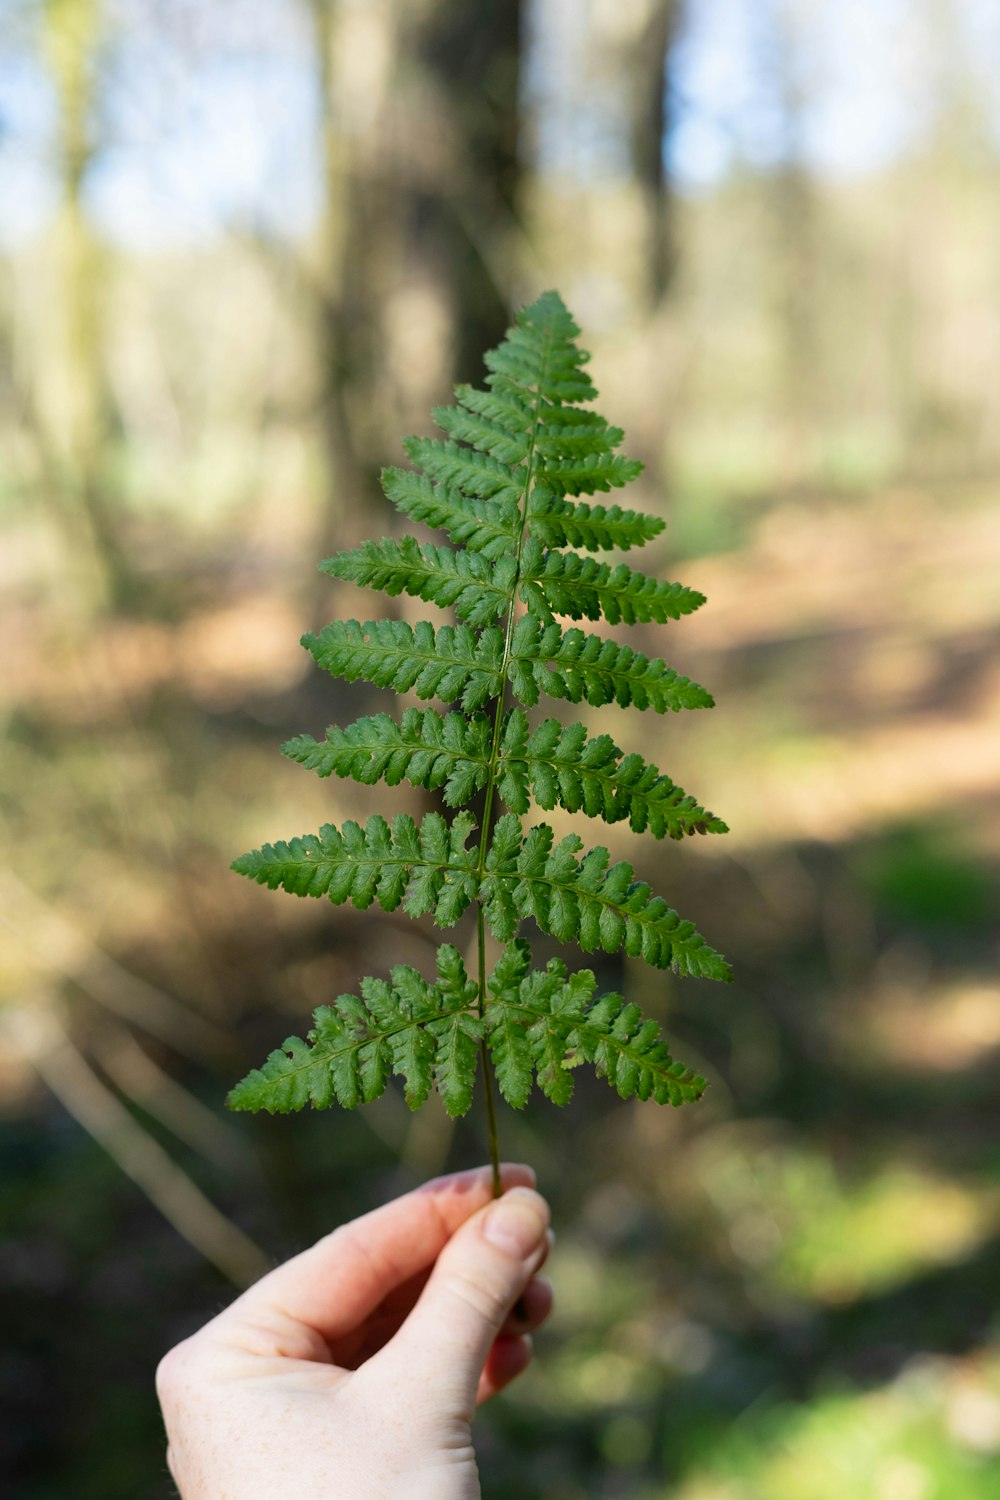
(355, 1369)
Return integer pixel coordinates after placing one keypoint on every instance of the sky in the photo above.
(208, 113)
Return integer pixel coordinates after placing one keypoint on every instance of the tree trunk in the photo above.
(421, 170)
(649, 110)
(72, 404)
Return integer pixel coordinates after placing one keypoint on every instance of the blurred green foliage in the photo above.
(919, 877)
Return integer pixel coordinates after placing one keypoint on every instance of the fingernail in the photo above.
(517, 1222)
(517, 1166)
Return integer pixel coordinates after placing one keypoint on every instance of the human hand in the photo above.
(354, 1369)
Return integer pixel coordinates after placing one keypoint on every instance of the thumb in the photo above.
(476, 1280)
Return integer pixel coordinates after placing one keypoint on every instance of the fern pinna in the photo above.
(502, 485)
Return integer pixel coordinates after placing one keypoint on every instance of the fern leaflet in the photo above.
(588, 900)
(425, 866)
(485, 526)
(538, 1027)
(478, 590)
(567, 584)
(448, 663)
(557, 522)
(425, 748)
(557, 765)
(577, 666)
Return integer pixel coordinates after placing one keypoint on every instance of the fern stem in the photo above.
(491, 773)
(491, 1120)
(485, 1055)
(484, 1052)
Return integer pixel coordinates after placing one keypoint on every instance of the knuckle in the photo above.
(174, 1369)
(166, 1374)
(486, 1298)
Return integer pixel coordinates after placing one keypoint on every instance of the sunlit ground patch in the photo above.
(932, 1434)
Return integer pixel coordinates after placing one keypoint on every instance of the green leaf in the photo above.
(588, 901)
(516, 368)
(560, 766)
(588, 473)
(547, 1022)
(581, 587)
(412, 1045)
(507, 1025)
(291, 1078)
(489, 527)
(424, 1033)
(457, 1037)
(576, 666)
(448, 663)
(567, 433)
(539, 354)
(510, 410)
(425, 748)
(472, 473)
(497, 889)
(486, 436)
(557, 522)
(478, 590)
(512, 769)
(425, 866)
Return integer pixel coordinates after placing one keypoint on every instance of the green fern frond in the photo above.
(559, 765)
(582, 588)
(482, 434)
(473, 473)
(502, 484)
(558, 522)
(423, 1033)
(562, 438)
(588, 473)
(576, 666)
(294, 1075)
(588, 901)
(450, 663)
(553, 415)
(424, 866)
(552, 1020)
(539, 355)
(539, 1027)
(513, 411)
(479, 591)
(427, 749)
(489, 527)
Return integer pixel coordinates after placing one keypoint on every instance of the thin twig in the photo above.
(43, 1041)
(61, 948)
(133, 1071)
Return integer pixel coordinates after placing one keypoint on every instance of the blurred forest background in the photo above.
(243, 250)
